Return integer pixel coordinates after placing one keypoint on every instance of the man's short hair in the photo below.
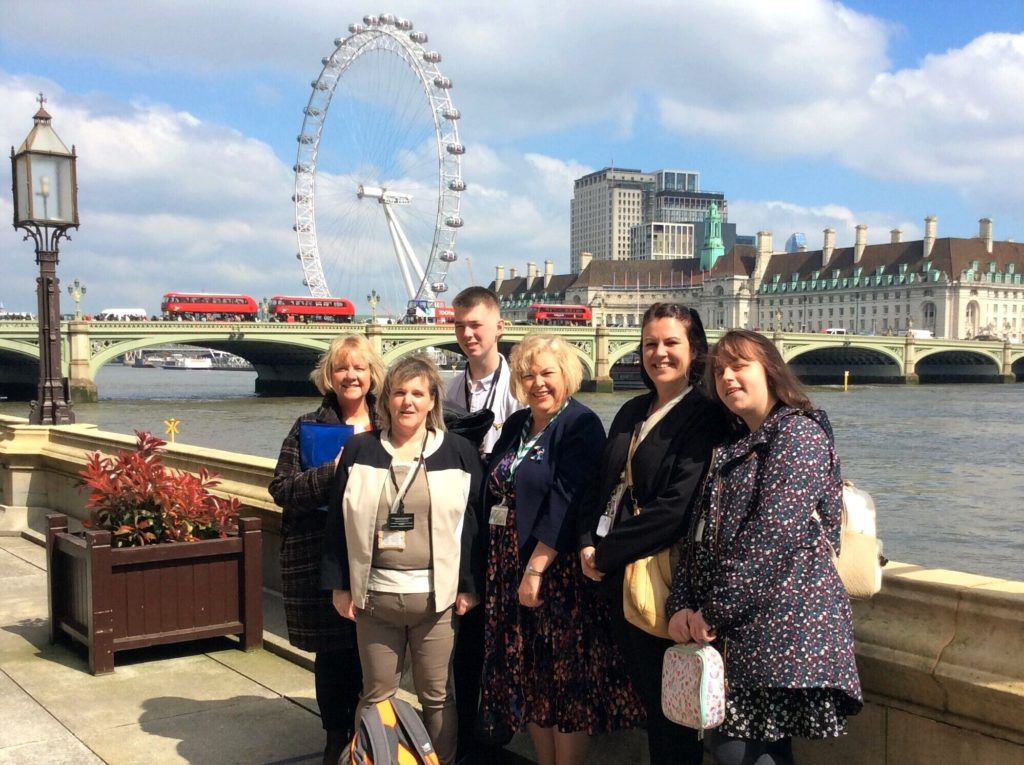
(471, 297)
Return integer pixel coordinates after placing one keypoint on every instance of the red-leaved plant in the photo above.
(141, 501)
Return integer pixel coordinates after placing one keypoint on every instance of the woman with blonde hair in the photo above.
(549, 662)
(348, 375)
(757, 577)
(398, 547)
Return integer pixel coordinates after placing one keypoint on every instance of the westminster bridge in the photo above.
(283, 354)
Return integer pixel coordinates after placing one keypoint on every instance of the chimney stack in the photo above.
(513, 273)
(531, 271)
(828, 247)
(861, 243)
(585, 258)
(763, 256)
(985, 233)
(499, 277)
(895, 236)
(549, 271)
(931, 225)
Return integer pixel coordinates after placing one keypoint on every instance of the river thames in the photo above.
(944, 463)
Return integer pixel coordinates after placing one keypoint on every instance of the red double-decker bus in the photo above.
(310, 309)
(200, 306)
(443, 314)
(564, 315)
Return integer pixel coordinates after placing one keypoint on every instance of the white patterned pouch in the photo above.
(693, 686)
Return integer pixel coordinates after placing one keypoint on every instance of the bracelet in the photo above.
(532, 571)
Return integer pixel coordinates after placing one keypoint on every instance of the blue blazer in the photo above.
(551, 480)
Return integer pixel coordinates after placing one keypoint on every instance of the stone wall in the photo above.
(941, 653)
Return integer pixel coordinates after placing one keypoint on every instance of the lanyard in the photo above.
(526, 444)
(398, 505)
(489, 401)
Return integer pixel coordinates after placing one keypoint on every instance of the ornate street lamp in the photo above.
(46, 206)
(374, 300)
(77, 291)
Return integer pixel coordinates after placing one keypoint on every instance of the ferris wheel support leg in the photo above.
(396, 241)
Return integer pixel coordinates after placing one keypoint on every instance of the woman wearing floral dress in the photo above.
(757, 577)
(549, 663)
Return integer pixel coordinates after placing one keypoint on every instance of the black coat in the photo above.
(667, 470)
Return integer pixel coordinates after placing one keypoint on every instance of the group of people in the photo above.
(497, 566)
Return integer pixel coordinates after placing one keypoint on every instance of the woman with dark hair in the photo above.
(348, 375)
(756, 577)
(657, 452)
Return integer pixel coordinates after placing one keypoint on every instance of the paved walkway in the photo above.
(201, 703)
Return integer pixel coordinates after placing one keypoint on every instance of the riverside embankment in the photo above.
(938, 650)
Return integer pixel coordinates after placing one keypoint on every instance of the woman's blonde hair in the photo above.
(400, 373)
(337, 352)
(523, 355)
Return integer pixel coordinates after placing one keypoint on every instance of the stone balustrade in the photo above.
(941, 653)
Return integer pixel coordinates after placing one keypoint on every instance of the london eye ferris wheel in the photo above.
(378, 173)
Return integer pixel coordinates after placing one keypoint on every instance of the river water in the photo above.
(944, 463)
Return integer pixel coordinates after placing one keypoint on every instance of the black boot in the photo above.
(337, 740)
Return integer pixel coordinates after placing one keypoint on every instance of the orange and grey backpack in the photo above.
(390, 733)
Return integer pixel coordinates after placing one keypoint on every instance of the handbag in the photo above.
(645, 588)
(647, 581)
(693, 686)
(860, 559)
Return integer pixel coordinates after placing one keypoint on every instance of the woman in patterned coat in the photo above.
(757, 577)
(348, 375)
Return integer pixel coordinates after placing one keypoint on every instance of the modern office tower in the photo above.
(614, 210)
(606, 205)
(797, 242)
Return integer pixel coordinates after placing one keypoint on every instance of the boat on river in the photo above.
(182, 361)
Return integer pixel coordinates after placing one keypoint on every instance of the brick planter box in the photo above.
(115, 599)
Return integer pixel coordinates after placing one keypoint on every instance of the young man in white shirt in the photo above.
(483, 385)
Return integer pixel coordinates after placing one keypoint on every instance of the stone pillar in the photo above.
(602, 382)
(910, 361)
(1007, 371)
(375, 335)
(80, 380)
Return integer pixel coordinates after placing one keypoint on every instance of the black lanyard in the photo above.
(398, 504)
(489, 401)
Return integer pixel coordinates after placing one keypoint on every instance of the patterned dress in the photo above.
(554, 665)
(759, 569)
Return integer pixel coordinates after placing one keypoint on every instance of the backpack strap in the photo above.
(372, 725)
(416, 734)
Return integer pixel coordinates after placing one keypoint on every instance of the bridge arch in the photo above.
(825, 363)
(216, 341)
(959, 365)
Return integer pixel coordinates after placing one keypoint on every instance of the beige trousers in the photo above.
(388, 626)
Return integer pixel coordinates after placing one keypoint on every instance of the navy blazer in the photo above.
(551, 480)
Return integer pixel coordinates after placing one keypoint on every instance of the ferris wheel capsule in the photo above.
(439, 287)
(442, 82)
(451, 113)
(455, 148)
(404, 24)
(355, 29)
(387, 18)
(453, 221)
(457, 184)
(431, 56)
(418, 37)
(370, 21)
(448, 256)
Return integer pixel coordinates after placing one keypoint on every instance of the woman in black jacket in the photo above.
(348, 375)
(666, 437)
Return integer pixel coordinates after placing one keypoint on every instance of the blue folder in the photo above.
(320, 442)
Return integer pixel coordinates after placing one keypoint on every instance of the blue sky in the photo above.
(807, 114)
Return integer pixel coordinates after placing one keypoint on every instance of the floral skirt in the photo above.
(768, 714)
(554, 665)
